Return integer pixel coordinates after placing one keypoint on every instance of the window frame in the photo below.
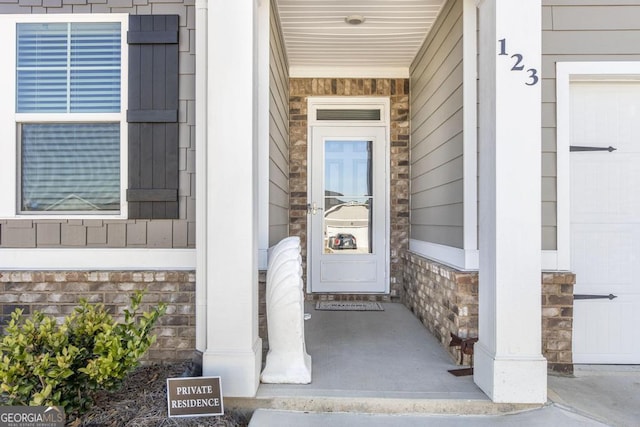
(10, 120)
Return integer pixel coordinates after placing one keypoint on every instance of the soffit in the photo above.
(316, 35)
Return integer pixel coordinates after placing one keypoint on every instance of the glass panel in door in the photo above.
(348, 197)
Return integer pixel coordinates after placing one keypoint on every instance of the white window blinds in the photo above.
(70, 167)
(68, 68)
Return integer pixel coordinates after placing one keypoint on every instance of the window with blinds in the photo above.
(69, 68)
(70, 166)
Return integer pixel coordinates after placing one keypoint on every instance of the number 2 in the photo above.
(518, 66)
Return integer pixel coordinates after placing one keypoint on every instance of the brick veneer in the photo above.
(446, 301)
(57, 293)
(398, 92)
(263, 332)
(557, 320)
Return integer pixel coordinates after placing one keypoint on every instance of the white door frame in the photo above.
(352, 103)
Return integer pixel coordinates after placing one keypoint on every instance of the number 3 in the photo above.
(533, 75)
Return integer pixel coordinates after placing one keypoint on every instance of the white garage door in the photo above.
(605, 221)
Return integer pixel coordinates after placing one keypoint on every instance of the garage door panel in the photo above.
(607, 113)
(607, 189)
(598, 337)
(605, 221)
(603, 254)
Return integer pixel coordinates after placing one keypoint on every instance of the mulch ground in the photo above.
(142, 402)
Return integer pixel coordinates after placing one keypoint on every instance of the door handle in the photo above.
(312, 208)
(583, 296)
(583, 148)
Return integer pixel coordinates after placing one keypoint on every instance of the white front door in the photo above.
(347, 244)
(605, 221)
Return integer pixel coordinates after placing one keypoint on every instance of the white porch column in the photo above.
(227, 281)
(509, 366)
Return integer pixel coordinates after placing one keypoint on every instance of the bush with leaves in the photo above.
(46, 363)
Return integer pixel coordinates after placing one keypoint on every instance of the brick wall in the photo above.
(262, 312)
(557, 320)
(446, 301)
(398, 92)
(57, 293)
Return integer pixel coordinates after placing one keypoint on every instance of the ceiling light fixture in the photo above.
(354, 19)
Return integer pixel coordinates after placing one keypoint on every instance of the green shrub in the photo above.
(44, 363)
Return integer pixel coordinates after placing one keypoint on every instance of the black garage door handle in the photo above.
(583, 296)
(582, 148)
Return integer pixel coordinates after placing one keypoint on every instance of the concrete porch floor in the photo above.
(376, 362)
(383, 369)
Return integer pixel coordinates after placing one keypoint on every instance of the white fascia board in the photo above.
(303, 71)
(97, 259)
(460, 259)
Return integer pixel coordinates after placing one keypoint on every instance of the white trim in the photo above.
(550, 262)
(263, 38)
(9, 192)
(97, 259)
(202, 51)
(70, 17)
(566, 72)
(470, 136)
(8, 144)
(301, 71)
(460, 259)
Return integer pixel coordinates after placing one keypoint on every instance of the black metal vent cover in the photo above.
(349, 114)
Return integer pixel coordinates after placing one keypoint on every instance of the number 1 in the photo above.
(503, 46)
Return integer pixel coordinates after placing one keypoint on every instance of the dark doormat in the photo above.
(461, 372)
(349, 306)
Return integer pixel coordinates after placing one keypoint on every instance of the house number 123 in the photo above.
(518, 64)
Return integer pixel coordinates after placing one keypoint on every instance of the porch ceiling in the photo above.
(317, 36)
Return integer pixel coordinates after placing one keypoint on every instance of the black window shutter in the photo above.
(153, 117)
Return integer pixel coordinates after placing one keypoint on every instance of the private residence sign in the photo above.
(194, 397)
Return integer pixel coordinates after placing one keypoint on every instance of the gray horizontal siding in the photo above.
(440, 234)
(278, 134)
(179, 233)
(596, 18)
(436, 133)
(577, 30)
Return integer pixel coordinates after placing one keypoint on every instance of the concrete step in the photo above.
(378, 405)
(549, 415)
